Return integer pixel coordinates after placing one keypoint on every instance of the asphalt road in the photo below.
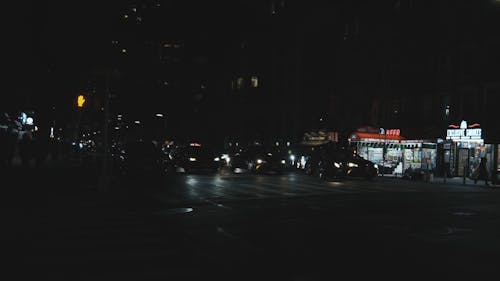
(263, 227)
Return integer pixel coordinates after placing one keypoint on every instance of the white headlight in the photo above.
(192, 159)
(292, 157)
(337, 165)
(351, 165)
(283, 161)
(375, 166)
(216, 159)
(259, 161)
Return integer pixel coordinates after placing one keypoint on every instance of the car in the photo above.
(342, 163)
(258, 159)
(195, 158)
(139, 158)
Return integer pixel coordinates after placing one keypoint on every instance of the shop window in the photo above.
(239, 83)
(254, 81)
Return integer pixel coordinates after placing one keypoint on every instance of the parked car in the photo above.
(195, 158)
(258, 159)
(139, 158)
(342, 163)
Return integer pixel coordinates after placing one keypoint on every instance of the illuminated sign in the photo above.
(80, 100)
(464, 132)
(393, 132)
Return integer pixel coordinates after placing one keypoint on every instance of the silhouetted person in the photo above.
(3, 148)
(40, 150)
(483, 172)
(10, 146)
(26, 149)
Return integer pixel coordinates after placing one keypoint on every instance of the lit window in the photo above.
(239, 83)
(255, 81)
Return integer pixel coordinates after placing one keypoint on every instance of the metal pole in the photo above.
(465, 169)
(444, 173)
(104, 179)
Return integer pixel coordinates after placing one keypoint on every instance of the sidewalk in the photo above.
(447, 181)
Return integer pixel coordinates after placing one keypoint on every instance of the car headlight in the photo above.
(375, 166)
(283, 161)
(216, 159)
(192, 159)
(260, 161)
(337, 165)
(351, 165)
(292, 157)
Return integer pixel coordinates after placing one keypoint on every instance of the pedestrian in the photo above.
(26, 149)
(40, 149)
(482, 173)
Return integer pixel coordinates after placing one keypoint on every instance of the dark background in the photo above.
(337, 65)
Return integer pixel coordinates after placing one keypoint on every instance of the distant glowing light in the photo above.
(159, 115)
(125, 16)
(137, 122)
(29, 121)
(283, 161)
(124, 51)
(80, 101)
(192, 159)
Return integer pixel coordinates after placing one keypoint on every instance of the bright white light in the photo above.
(29, 121)
(287, 143)
(375, 166)
(269, 154)
(283, 161)
(337, 165)
(36, 128)
(192, 159)
(117, 128)
(216, 159)
(159, 115)
(351, 165)
(292, 157)
(277, 143)
(80, 145)
(259, 161)
(137, 122)
(124, 51)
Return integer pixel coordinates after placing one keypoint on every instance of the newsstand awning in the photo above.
(358, 136)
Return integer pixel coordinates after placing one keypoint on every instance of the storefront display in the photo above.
(464, 149)
(393, 153)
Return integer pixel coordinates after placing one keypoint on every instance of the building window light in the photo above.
(254, 82)
(239, 83)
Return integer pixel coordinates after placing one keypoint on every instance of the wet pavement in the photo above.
(267, 227)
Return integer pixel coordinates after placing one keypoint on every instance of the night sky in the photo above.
(313, 57)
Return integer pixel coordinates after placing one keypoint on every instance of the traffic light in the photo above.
(80, 101)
